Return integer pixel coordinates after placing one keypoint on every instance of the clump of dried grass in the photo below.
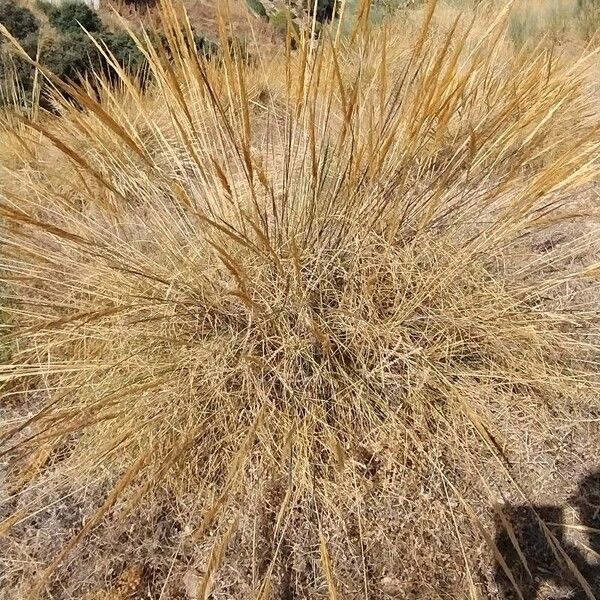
(261, 267)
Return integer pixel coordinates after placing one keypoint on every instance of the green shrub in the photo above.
(19, 21)
(14, 71)
(124, 49)
(70, 56)
(75, 56)
(281, 19)
(256, 6)
(72, 16)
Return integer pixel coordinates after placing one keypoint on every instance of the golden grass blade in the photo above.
(215, 561)
(327, 568)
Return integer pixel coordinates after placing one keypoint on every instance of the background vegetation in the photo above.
(72, 47)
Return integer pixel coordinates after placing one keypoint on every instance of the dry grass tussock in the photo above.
(266, 297)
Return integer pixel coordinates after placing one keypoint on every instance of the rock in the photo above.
(191, 582)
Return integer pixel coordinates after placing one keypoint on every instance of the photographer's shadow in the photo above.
(535, 551)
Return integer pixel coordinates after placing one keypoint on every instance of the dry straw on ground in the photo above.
(268, 298)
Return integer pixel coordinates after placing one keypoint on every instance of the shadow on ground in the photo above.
(535, 551)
